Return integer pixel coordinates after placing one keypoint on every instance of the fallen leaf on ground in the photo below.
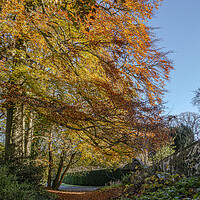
(94, 195)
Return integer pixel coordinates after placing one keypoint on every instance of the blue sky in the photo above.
(179, 31)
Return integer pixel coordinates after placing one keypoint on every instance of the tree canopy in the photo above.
(90, 66)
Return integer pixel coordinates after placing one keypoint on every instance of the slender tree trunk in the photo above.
(60, 176)
(66, 170)
(14, 145)
(59, 172)
(50, 158)
(9, 121)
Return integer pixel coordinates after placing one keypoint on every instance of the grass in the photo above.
(112, 186)
(68, 185)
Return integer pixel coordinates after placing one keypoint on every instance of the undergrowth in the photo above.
(163, 186)
(12, 189)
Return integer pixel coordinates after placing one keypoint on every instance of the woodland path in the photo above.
(92, 195)
(78, 188)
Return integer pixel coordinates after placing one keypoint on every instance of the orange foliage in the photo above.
(88, 65)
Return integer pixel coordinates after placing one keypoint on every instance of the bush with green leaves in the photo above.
(11, 189)
(162, 153)
(30, 173)
(187, 188)
(163, 186)
(137, 178)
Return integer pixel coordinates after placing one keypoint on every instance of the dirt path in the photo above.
(93, 195)
(78, 188)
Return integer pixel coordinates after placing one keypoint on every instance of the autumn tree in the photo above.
(62, 150)
(98, 58)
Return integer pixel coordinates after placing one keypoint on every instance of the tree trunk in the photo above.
(60, 176)
(29, 135)
(59, 172)
(66, 169)
(50, 159)
(14, 145)
(9, 122)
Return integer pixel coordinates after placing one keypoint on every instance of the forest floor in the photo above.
(106, 194)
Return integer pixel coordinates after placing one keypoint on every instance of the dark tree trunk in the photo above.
(59, 172)
(50, 160)
(9, 121)
(60, 176)
(66, 170)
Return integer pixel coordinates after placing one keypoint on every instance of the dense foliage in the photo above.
(166, 187)
(11, 188)
(95, 177)
(29, 173)
(90, 66)
(183, 136)
(82, 82)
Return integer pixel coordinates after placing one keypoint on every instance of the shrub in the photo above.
(11, 189)
(28, 173)
(169, 187)
(137, 178)
(186, 188)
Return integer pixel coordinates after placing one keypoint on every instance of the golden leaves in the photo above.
(100, 60)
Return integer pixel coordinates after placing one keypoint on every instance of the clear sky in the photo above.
(179, 31)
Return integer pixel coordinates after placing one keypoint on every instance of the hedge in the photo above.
(95, 177)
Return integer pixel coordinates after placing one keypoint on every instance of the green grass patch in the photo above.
(69, 185)
(111, 187)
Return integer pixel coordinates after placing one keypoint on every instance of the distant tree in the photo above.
(183, 136)
(189, 119)
(196, 99)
